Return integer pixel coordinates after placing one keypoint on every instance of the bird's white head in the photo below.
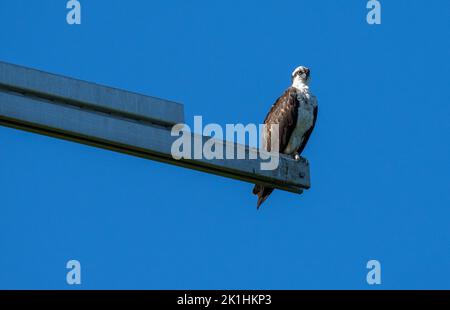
(301, 77)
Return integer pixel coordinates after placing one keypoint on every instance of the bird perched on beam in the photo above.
(295, 112)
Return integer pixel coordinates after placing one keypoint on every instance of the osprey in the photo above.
(295, 112)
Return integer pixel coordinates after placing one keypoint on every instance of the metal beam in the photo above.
(89, 95)
(121, 121)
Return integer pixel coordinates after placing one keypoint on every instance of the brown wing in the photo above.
(284, 112)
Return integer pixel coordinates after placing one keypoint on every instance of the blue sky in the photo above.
(379, 155)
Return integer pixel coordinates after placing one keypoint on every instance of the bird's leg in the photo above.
(297, 157)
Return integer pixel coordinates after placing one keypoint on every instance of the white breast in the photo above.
(305, 121)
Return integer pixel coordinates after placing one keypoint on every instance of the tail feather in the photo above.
(256, 189)
(263, 193)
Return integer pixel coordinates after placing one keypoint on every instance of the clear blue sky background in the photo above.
(379, 155)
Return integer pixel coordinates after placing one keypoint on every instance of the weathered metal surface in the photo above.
(90, 95)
